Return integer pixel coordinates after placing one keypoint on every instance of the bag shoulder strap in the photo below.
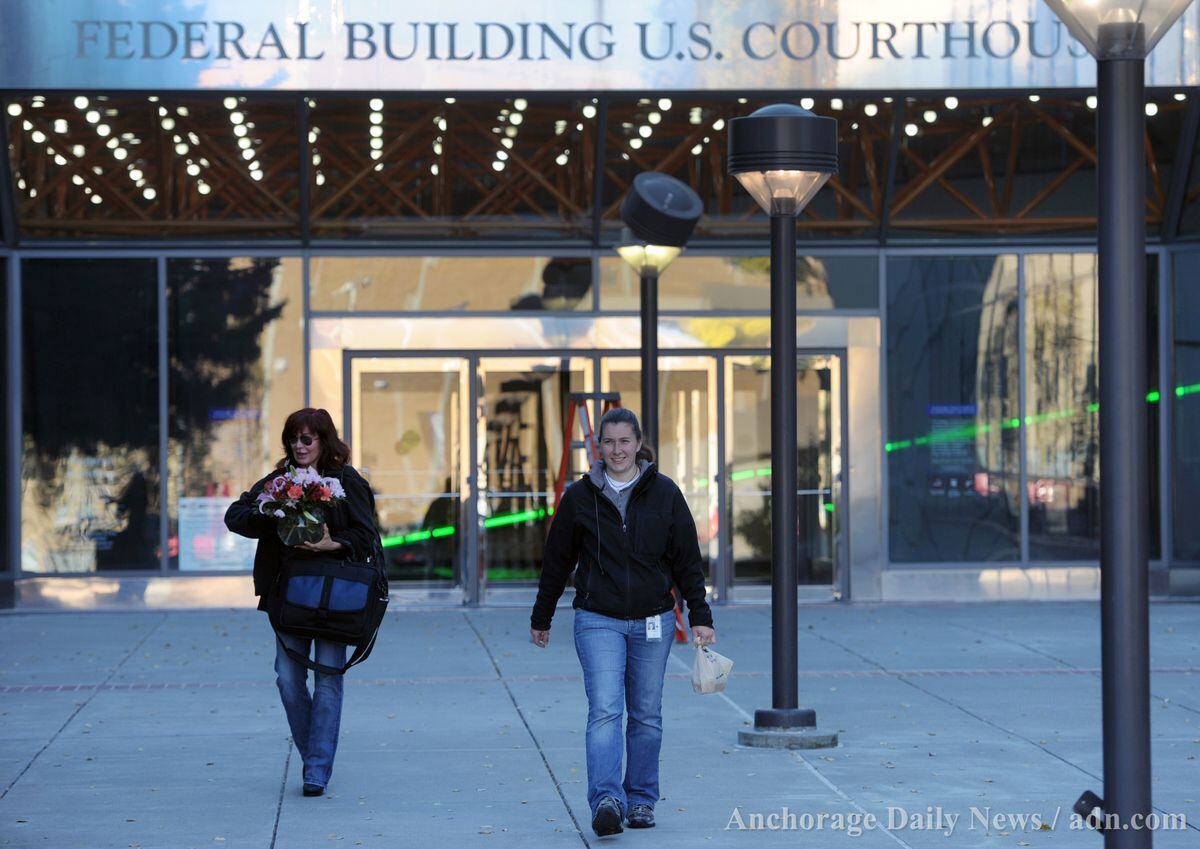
(361, 652)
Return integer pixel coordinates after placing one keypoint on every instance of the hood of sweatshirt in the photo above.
(596, 473)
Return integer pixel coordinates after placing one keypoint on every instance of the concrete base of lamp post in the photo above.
(794, 728)
(797, 738)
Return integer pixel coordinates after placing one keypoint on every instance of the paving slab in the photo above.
(164, 729)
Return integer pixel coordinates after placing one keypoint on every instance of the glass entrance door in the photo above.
(687, 450)
(464, 473)
(819, 420)
(519, 436)
(408, 436)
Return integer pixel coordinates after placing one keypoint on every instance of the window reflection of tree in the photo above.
(221, 359)
(91, 368)
(996, 394)
(952, 340)
(1063, 439)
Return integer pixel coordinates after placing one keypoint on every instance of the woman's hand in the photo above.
(702, 635)
(325, 543)
(541, 639)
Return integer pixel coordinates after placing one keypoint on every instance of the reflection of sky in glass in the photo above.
(38, 49)
(536, 333)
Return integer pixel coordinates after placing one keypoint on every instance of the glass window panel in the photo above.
(687, 136)
(236, 342)
(91, 476)
(687, 449)
(409, 438)
(6, 565)
(1185, 464)
(506, 168)
(161, 166)
(523, 405)
(818, 457)
(953, 436)
(1062, 406)
(744, 283)
(450, 283)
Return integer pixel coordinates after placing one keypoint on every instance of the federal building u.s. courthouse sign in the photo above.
(567, 45)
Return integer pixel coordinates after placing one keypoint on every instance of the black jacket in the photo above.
(351, 522)
(624, 570)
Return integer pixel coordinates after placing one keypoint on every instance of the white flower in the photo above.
(279, 514)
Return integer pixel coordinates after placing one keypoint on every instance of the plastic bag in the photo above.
(710, 671)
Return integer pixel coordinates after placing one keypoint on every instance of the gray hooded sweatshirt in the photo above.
(618, 497)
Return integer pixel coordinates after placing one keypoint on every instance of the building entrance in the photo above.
(462, 451)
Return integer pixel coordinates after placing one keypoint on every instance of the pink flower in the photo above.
(324, 493)
(295, 492)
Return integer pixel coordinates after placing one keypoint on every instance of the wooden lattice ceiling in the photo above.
(395, 167)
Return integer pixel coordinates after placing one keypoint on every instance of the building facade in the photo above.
(203, 233)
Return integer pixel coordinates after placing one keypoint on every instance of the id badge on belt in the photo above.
(654, 627)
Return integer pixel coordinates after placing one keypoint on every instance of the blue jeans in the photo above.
(314, 719)
(623, 670)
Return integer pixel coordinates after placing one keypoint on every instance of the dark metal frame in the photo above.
(8, 207)
(1181, 174)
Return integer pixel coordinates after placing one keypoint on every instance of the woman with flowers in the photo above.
(314, 503)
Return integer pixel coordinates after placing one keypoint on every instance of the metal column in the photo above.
(1124, 523)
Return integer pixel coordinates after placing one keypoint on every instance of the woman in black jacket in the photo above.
(631, 533)
(310, 439)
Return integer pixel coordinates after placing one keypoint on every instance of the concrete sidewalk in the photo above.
(165, 730)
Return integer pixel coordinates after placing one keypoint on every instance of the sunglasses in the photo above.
(304, 439)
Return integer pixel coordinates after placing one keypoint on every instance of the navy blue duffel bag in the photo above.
(326, 598)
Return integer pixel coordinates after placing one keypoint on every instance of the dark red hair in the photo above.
(334, 452)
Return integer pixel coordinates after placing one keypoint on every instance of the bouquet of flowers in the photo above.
(298, 498)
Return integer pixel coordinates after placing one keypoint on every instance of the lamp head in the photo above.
(1118, 29)
(642, 256)
(783, 155)
(659, 213)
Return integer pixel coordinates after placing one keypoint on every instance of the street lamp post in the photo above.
(783, 155)
(659, 214)
(1120, 34)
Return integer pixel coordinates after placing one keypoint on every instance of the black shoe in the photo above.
(640, 816)
(314, 790)
(607, 819)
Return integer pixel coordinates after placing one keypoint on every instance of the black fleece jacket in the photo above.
(625, 570)
(351, 522)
